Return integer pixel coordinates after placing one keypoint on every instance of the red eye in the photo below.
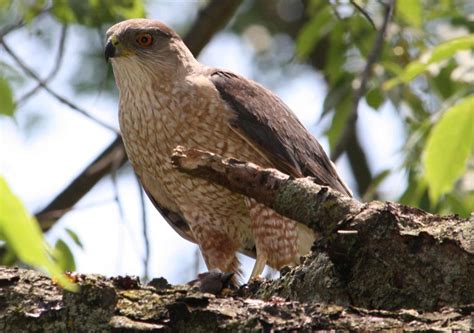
(144, 39)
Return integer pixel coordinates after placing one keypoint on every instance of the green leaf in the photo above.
(64, 257)
(339, 122)
(4, 4)
(63, 11)
(318, 27)
(335, 59)
(75, 238)
(32, 9)
(458, 205)
(94, 13)
(410, 11)
(374, 185)
(23, 235)
(128, 9)
(448, 148)
(336, 94)
(415, 193)
(413, 69)
(440, 52)
(7, 104)
(374, 98)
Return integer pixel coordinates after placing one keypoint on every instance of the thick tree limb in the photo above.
(32, 303)
(110, 159)
(375, 255)
(209, 21)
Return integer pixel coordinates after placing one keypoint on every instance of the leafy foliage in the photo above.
(425, 65)
(95, 13)
(23, 235)
(449, 146)
(439, 53)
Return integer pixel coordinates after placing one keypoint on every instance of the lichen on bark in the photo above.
(31, 302)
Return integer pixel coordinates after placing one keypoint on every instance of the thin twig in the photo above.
(9, 28)
(364, 13)
(364, 78)
(54, 71)
(119, 205)
(113, 176)
(60, 98)
(20, 22)
(146, 259)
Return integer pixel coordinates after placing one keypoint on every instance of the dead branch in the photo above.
(379, 254)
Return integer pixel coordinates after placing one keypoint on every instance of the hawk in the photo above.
(169, 99)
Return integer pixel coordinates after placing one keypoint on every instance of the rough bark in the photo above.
(375, 255)
(378, 266)
(31, 302)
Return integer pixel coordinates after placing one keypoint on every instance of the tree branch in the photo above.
(146, 257)
(33, 303)
(364, 13)
(211, 19)
(111, 158)
(359, 164)
(21, 22)
(349, 130)
(318, 59)
(374, 254)
(54, 70)
(44, 85)
(319, 207)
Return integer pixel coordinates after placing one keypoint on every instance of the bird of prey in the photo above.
(169, 99)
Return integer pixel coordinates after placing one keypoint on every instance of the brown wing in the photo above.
(264, 121)
(166, 207)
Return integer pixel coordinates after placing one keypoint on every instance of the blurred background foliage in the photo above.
(423, 68)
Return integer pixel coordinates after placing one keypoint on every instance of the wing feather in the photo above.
(267, 123)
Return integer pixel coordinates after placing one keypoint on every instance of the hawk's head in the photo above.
(143, 45)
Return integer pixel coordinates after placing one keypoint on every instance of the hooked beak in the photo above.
(110, 50)
(114, 49)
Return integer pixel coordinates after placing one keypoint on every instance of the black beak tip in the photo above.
(109, 51)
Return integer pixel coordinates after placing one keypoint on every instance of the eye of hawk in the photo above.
(144, 39)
